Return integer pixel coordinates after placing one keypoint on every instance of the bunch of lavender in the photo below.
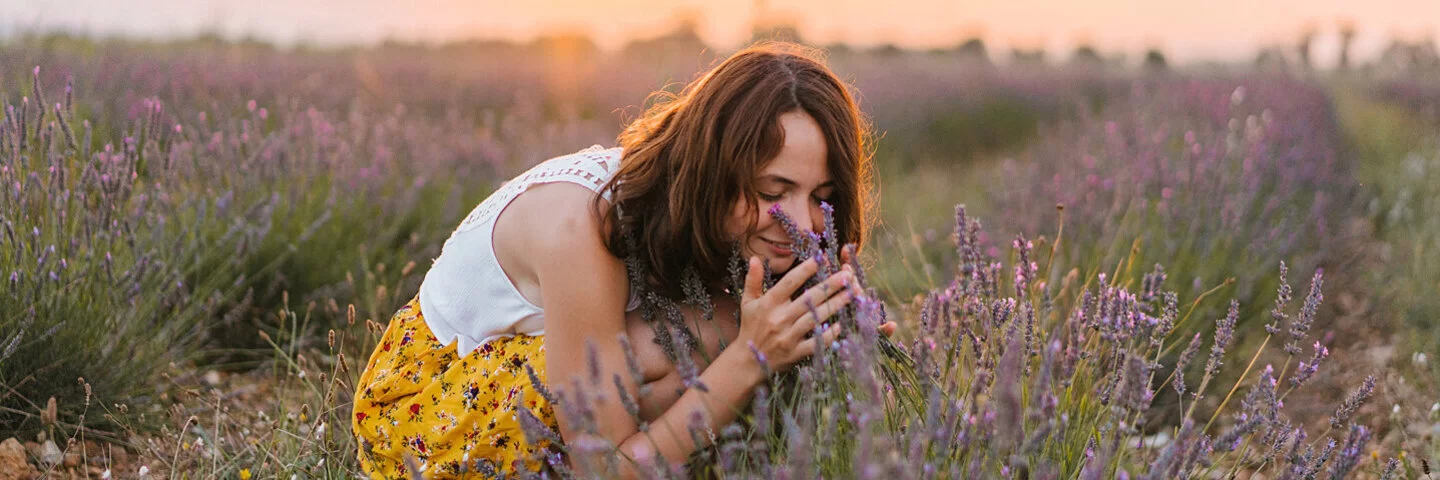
(108, 275)
(1056, 382)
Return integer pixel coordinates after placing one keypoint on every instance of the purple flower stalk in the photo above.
(1282, 299)
(1351, 452)
(1224, 333)
(1307, 369)
(1353, 402)
(1307, 313)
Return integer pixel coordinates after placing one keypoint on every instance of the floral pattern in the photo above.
(418, 397)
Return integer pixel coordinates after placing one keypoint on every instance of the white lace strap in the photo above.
(589, 167)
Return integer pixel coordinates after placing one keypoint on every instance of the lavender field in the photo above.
(1155, 273)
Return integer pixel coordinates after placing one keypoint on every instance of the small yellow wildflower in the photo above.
(244, 474)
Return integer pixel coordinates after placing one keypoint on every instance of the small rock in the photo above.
(119, 457)
(50, 455)
(33, 449)
(1157, 440)
(72, 459)
(12, 462)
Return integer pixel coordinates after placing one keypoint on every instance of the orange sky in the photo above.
(1187, 31)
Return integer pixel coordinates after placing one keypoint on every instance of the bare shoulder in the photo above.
(549, 223)
(551, 214)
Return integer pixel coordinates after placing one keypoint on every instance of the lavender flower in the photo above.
(1307, 369)
(1351, 452)
(1307, 313)
(1185, 357)
(1282, 299)
(539, 386)
(627, 401)
(534, 429)
(1007, 400)
(1025, 270)
(1391, 466)
(1224, 333)
(1150, 285)
(1353, 402)
(831, 236)
(798, 239)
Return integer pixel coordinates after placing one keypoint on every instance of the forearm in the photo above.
(731, 382)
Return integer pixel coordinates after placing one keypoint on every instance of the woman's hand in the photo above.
(776, 326)
(887, 328)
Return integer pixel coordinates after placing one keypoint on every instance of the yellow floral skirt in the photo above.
(418, 397)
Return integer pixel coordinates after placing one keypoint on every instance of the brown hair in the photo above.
(690, 157)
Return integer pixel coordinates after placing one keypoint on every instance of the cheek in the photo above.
(741, 218)
(738, 221)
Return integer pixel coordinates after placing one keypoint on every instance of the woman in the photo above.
(539, 270)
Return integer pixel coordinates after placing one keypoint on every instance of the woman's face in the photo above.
(797, 180)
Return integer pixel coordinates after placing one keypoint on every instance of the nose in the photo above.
(805, 215)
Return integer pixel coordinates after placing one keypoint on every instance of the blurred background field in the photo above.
(208, 232)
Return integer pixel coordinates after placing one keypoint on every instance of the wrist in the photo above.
(742, 363)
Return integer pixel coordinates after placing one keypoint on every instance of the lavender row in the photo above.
(1218, 179)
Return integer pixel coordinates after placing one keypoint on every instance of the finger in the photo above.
(819, 294)
(888, 328)
(809, 346)
(819, 314)
(754, 280)
(805, 323)
(793, 279)
(831, 334)
(848, 252)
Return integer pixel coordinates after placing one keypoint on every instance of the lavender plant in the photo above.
(98, 259)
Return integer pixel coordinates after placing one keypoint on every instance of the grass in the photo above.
(1401, 170)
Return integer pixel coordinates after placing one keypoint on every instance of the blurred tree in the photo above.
(1272, 60)
(837, 48)
(766, 24)
(887, 49)
(1020, 56)
(682, 42)
(1303, 45)
(1347, 39)
(1155, 61)
(974, 49)
(1086, 56)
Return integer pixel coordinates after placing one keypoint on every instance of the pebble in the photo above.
(50, 455)
(12, 462)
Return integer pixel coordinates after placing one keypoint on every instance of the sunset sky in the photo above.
(1187, 31)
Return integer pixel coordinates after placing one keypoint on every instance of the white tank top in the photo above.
(466, 296)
